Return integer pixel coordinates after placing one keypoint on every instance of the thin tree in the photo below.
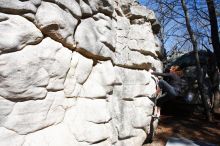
(198, 66)
(214, 29)
(216, 47)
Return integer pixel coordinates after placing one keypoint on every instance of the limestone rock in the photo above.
(9, 137)
(78, 73)
(27, 117)
(85, 126)
(95, 34)
(85, 8)
(100, 81)
(71, 5)
(133, 84)
(60, 24)
(104, 6)
(74, 72)
(54, 135)
(29, 73)
(133, 50)
(16, 33)
(19, 6)
(138, 11)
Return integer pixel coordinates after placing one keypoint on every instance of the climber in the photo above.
(170, 89)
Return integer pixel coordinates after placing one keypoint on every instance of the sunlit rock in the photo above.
(75, 72)
(17, 32)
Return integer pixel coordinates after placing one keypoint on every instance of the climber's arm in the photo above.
(161, 74)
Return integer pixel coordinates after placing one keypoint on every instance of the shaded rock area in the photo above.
(75, 72)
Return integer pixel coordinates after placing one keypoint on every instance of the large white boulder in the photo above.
(75, 72)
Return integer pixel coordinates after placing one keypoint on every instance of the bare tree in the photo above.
(174, 29)
(214, 29)
(216, 47)
(185, 27)
(199, 70)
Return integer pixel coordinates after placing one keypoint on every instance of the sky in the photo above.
(169, 43)
(141, 1)
(172, 38)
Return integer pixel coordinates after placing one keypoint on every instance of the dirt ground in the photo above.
(188, 124)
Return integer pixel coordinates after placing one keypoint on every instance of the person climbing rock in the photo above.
(171, 88)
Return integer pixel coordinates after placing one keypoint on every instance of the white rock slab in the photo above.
(133, 77)
(138, 11)
(56, 135)
(137, 39)
(72, 5)
(104, 6)
(6, 107)
(30, 116)
(95, 35)
(17, 32)
(60, 24)
(78, 73)
(100, 81)
(29, 73)
(10, 138)
(136, 45)
(108, 104)
(86, 127)
(85, 9)
(134, 84)
(18, 6)
(133, 141)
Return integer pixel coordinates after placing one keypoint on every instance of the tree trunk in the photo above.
(216, 104)
(214, 30)
(198, 66)
(216, 48)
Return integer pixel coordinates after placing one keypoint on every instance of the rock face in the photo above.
(74, 72)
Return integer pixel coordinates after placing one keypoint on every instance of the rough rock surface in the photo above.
(75, 72)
